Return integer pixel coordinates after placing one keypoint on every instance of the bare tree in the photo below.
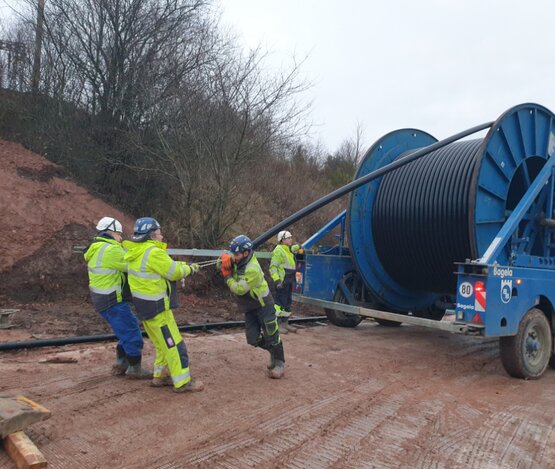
(223, 125)
(129, 54)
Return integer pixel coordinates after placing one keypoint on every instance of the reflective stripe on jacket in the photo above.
(152, 276)
(283, 262)
(250, 286)
(106, 272)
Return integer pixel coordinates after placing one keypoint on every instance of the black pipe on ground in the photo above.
(108, 337)
(363, 180)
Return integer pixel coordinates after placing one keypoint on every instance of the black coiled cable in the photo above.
(421, 217)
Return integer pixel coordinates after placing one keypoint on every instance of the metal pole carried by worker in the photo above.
(108, 287)
(245, 278)
(152, 277)
(282, 270)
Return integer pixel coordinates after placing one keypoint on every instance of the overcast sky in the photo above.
(438, 65)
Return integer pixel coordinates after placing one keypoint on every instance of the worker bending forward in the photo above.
(152, 278)
(282, 270)
(244, 277)
(110, 296)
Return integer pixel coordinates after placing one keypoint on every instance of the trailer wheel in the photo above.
(527, 354)
(339, 318)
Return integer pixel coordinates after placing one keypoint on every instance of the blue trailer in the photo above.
(463, 227)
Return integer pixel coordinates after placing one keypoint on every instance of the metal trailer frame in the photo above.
(449, 326)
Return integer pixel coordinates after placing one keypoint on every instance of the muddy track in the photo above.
(364, 397)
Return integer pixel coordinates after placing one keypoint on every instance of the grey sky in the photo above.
(440, 66)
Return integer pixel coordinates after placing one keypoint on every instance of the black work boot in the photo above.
(278, 370)
(120, 367)
(135, 370)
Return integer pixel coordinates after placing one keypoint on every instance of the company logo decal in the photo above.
(506, 290)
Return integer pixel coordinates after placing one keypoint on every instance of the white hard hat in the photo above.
(109, 223)
(283, 235)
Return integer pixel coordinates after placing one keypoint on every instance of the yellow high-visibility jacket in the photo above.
(249, 284)
(152, 276)
(107, 269)
(283, 262)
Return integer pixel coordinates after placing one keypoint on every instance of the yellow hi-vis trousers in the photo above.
(171, 353)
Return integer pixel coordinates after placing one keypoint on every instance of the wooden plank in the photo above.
(24, 452)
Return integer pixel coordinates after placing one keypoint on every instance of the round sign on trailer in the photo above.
(466, 289)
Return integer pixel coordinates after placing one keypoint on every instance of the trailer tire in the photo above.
(527, 354)
(338, 318)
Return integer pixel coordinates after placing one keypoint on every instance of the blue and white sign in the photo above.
(506, 290)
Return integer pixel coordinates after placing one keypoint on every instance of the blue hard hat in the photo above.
(240, 244)
(143, 227)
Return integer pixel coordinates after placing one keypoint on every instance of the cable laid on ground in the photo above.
(108, 337)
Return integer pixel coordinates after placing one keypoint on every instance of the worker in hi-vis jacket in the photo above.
(244, 277)
(152, 278)
(111, 297)
(282, 270)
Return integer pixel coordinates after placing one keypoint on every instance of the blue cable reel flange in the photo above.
(513, 153)
(443, 208)
(359, 221)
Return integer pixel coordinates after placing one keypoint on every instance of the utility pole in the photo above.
(38, 46)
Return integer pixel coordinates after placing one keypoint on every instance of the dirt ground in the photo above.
(351, 398)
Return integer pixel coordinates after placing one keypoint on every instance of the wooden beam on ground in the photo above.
(23, 451)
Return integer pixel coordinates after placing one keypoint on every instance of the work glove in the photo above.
(194, 268)
(225, 264)
(300, 251)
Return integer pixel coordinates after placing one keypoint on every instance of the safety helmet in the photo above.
(143, 227)
(283, 235)
(109, 224)
(240, 244)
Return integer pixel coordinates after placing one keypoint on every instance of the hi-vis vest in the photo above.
(282, 266)
(106, 272)
(250, 286)
(152, 277)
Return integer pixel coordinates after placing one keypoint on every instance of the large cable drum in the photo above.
(408, 228)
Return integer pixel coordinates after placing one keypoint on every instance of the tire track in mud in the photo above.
(506, 437)
(341, 440)
(387, 445)
(465, 437)
(74, 445)
(296, 438)
(440, 438)
(278, 436)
